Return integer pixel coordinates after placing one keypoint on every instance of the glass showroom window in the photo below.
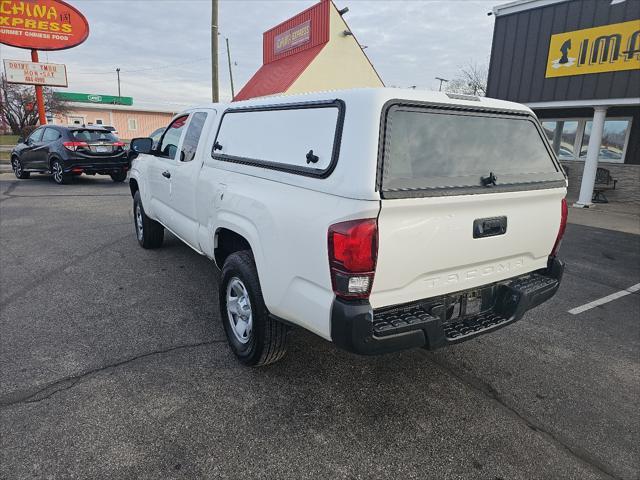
(614, 140)
(570, 138)
(563, 136)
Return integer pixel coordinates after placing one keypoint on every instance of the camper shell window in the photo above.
(431, 151)
(302, 138)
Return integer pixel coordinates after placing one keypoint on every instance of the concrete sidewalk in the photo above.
(622, 217)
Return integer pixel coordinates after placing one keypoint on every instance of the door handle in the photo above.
(489, 227)
(166, 174)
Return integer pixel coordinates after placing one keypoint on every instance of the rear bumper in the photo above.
(101, 166)
(357, 328)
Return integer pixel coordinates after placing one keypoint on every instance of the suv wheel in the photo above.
(149, 233)
(16, 165)
(254, 337)
(119, 177)
(59, 176)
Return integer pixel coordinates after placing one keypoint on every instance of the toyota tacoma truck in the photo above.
(378, 219)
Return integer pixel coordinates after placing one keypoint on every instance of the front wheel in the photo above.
(18, 171)
(254, 337)
(59, 176)
(149, 233)
(119, 177)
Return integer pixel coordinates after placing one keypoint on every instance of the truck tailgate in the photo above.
(427, 245)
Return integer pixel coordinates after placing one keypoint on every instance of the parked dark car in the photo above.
(65, 152)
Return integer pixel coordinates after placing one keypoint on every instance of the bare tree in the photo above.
(472, 80)
(18, 106)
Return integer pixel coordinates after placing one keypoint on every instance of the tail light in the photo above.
(73, 146)
(118, 144)
(353, 251)
(563, 226)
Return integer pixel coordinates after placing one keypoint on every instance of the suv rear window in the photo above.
(93, 136)
(440, 150)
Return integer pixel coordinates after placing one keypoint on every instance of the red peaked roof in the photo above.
(278, 76)
(282, 66)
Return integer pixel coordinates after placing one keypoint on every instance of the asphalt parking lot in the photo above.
(113, 364)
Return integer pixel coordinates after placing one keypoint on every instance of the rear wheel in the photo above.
(119, 177)
(18, 171)
(149, 233)
(59, 176)
(254, 337)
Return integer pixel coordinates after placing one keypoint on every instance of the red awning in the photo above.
(278, 76)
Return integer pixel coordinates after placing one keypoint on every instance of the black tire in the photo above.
(267, 341)
(149, 233)
(57, 173)
(16, 165)
(119, 177)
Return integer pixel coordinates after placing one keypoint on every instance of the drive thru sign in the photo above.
(31, 73)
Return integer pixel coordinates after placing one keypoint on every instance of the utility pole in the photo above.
(118, 73)
(233, 93)
(39, 95)
(441, 81)
(215, 96)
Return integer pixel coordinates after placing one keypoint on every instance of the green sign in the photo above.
(93, 98)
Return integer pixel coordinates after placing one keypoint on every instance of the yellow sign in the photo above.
(608, 48)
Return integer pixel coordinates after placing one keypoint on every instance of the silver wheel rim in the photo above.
(57, 172)
(239, 310)
(17, 168)
(139, 224)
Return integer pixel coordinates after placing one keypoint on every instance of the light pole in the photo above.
(442, 80)
(233, 93)
(214, 52)
(118, 73)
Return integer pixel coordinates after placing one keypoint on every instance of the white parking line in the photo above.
(603, 300)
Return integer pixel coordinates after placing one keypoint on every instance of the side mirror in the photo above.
(20, 139)
(142, 145)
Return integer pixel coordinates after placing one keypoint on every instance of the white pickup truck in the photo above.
(379, 219)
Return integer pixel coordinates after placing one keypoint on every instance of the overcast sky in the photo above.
(163, 46)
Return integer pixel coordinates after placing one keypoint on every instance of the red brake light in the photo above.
(353, 251)
(73, 146)
(118, 144)
(563, 226)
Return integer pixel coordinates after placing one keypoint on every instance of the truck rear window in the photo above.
(431, 149)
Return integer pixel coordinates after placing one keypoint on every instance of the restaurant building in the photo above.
(312, 51)
(576, 63)
(93, 109)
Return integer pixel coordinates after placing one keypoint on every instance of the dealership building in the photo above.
(576, 63)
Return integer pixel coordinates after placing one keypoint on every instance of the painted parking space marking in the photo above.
(603, 300)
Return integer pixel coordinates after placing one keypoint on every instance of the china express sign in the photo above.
(293, 37)
(608, 48)
(41, 24)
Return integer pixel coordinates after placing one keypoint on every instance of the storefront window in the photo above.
(614, 137)
(562, 136)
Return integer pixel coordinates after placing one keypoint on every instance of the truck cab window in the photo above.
(192, 137)
(171, 138)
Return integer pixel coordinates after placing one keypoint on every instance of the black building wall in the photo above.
(521, 48)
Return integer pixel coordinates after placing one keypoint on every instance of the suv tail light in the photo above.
(118, 144)
(563, 226)
(73, 146)
(353, 251)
